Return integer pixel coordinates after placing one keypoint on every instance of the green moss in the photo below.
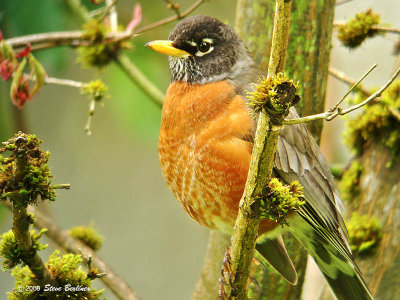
(88, 236)
(350, 183)
(376, 123)
(95, 89)
(275, 95)
(67, 272)
(10, 254)
(100, 52)
(279, 200)
(365, 232)
(358, 29)
(36, 178)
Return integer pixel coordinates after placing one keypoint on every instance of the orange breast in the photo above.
(203, 156)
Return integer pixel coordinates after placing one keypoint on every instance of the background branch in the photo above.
(346, 79)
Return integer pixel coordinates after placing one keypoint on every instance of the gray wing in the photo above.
(298, 157)
(318, 225)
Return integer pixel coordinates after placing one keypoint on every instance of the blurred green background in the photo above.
(116, 183)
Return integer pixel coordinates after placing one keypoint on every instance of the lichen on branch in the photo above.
(73, 282)
(25, 173)
(358, 29)
(99, 52)
(276, 94)
(365, 233)
(11, 254)
(279, 200)
(349, 185)
(88, 236)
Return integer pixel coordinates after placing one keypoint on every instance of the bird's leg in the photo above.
(256, 263)
(259, 262)
(253, 280)
(226, 274)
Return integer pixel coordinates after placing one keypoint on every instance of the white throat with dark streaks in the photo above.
(185, 69)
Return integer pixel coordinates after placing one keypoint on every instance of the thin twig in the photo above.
(353, 87)
(65, 38)
(59, 81)
(110, 12)
(170, 19)
(332, 114)
(386, 29)
(140, 79)
(79, 9)
(174, 7)
(92, 107)
(346, 79)
(62, 186)
(64, 82)
(61, 237)
(340, 2)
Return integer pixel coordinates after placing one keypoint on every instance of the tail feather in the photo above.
(273, 250)
(333, 258)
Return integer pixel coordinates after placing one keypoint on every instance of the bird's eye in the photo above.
(204, 47)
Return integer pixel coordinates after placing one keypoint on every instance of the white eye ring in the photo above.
(210, 43)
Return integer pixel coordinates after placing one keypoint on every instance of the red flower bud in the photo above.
(6, 69)
(22, 94)
(25, 52)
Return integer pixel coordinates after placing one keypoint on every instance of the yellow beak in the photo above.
(166, 47)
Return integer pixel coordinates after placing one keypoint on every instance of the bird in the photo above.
(205, 144)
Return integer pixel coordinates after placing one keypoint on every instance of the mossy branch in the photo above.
(261, 164)
(63, 239)
(24, 177)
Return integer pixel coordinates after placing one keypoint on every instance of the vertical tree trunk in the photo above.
(307, 62)
(207, 286)
(380, 198)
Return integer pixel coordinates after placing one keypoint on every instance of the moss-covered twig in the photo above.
(24, 177)
(337, 111)
(266, 137)
(62, 238)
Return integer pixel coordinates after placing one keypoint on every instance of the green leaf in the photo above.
(16, 78)
(39, 72)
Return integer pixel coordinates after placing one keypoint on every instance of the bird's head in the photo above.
(203, 49)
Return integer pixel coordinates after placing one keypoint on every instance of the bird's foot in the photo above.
(226, 275)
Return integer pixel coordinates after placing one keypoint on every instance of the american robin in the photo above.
(205, 145)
